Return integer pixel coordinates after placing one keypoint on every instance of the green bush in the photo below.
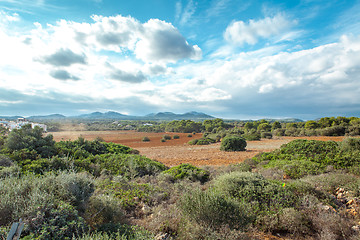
(102, 209)
(162, 140)
(193, 142)
(176, 137)
(114, 231)
(58, 221)
(214, 210)
(266, 135)
(188, 171)
(262, 194)
(128, 165)
(146, 139)
(166, 137)
(232, 143)
(302, 157)
(252, 136)
(189, 135)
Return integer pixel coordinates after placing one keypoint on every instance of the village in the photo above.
(19, 123)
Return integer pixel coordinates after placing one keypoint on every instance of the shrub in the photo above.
(176, 137)
(102, 209)
(333, 131)
(166, 137)
(189, 135)
(252, 136)
(129, 165)
(59, 221)
(266, 135)
(193, 142)
(146, 139)
(162, 140)
(231, 143)
(113, 231)
(213, 210)
(188, 171)
(205, 141)
(279, 132)
(263, 194)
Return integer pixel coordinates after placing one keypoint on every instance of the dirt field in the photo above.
(177, 151)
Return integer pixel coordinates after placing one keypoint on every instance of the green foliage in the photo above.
(128, 165)
(311, 125)
(189, 135)
(193, 142)
(146, 139)
(30, 139)
(50, 204)
(266, 127)
(129, 194)
(262, 194)
(303, 157)
(266, 135)
(252, 136)
(103, 209)
(162, 140)
(59, 221)
(188, 171)
(214, 125)
(233, 143)
(113, 231)
(202, 141)
(208, 208)
(166, 137)
(183, 126)
(176, 137)
(82, 148)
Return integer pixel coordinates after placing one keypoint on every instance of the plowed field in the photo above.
(176, 151)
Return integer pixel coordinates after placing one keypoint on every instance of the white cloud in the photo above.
(183, 16)
(161, 41)
(239, 32)
(119, 59)
(6, 18)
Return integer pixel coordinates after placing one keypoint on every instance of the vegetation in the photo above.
(146, 139)
(233, 143)
(96, 190)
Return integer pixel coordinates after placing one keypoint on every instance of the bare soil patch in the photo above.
(129, 138)
(176, 151)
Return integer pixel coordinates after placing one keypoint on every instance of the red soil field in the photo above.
(176, 151)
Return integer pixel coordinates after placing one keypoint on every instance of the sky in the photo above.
(228, 58)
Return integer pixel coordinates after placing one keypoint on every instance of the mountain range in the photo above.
(111, 115)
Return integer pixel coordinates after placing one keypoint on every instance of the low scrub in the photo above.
(262, 194)
(146, 139)
(188, 171)
(209, 208)
(233, 143)
(309, 157)
(202, 141)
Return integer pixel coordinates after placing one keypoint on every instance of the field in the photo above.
(176, 151)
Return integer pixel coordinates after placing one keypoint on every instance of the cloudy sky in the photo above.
(228, 58)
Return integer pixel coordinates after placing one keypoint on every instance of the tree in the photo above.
(311, 124)
(275, 125)
(266, 127)
(30, 139)
(233, 143)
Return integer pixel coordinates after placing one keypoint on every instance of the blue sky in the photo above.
(231, 59)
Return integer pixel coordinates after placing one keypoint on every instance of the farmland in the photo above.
(177, 151)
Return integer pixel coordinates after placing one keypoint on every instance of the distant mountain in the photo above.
(47, 117)
(10, 117)
(173, 116)
(111, 115)
(106, 115)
